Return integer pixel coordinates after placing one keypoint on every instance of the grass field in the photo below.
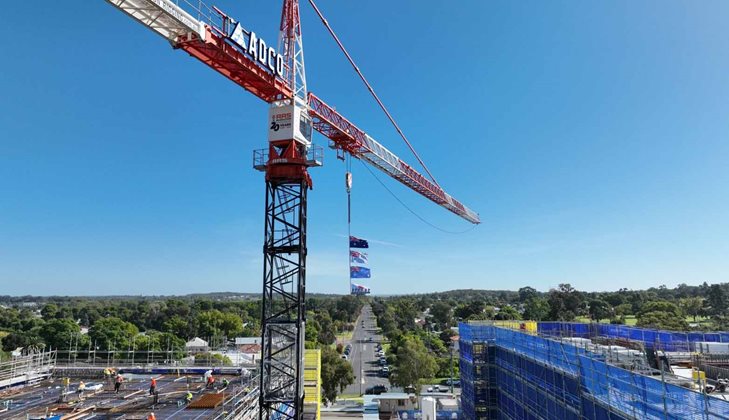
(355, 398)
(344, 336)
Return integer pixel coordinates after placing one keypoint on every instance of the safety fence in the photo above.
(545, 378)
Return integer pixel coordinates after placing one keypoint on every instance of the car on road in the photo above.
(442, 388)
(456, 382)
(430, 389)
(383, 361)
(376, 390)
(369, 339)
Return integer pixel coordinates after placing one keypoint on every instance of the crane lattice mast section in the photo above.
(278, 77)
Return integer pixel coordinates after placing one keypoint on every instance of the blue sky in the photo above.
(591, 138)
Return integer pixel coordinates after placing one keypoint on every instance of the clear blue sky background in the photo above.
(591, 138)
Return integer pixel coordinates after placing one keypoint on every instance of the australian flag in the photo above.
(355, 242)
(359, 272)
(358, 257)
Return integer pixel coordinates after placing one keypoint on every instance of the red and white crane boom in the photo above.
(204, 33)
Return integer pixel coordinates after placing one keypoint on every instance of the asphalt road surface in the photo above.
(365, 363)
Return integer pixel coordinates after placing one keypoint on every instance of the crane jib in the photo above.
(256, 48)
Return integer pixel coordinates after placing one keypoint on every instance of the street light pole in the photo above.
(451, 381)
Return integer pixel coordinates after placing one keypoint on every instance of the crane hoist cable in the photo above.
(372, 91)
(402, 203)
(348, 185)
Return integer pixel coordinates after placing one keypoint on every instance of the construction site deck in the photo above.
(51, 399)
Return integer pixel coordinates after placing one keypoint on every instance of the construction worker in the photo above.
(151, 416)
(81, 388)
(64, 390)
(188, 397)
(211, 382)
(152, 386)
(118, 382)
(107, 376)
(225, 383)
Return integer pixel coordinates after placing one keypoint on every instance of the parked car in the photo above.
(410, 389)
(376, 390)
(345, 357)
(430, 389)
(383, 361)
(442, 388)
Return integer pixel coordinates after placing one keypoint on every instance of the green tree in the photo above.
(15, 340)
(413, 363)
(507, 312)
(441, 313)
(536, 309)
(468, 310)
(692, 306)
(717, 300)
(49, 311)
(216, 359)
(179, 326)
(527, 293)
(214, 323)
(312, 330)
(326, 328)
(112, 333)
(624, 309)
(599, 309)
(661, 306)
(661, 314)
(61, 333)
(564, 303)
(662, 320)
(336, 374)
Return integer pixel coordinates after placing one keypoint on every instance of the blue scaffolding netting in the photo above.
(516, 375)
(651, 338)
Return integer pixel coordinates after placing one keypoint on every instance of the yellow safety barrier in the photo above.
(312, 382)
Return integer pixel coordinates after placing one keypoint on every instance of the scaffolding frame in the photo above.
(548, 377)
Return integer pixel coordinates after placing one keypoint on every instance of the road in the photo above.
(364, 362)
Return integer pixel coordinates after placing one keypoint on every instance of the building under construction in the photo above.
(35, 386)
(553, 370)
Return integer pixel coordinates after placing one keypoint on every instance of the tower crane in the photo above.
(278, 77)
